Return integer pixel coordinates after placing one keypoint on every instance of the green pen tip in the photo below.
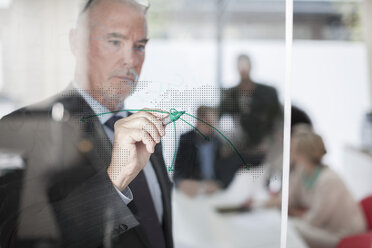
(175, 115)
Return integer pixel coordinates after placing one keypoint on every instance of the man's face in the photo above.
(244, 68)
(212, 119)
(113, 58)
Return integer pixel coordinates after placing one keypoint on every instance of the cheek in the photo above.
(98, 52)
(99, 60)
(140, 60)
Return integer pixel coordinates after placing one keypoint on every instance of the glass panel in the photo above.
(200, 43)
(71, 176)
(330, 95)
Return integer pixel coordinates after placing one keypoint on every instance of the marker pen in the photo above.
(172, 117)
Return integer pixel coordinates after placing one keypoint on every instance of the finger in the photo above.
(136, 135)
(153, 131)
(144, 124)
(155, 118)
(157, 112)
(161, 114)
(149, 142)
(158, 122)
(154, 115)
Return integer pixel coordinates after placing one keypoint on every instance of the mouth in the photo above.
(125, 79)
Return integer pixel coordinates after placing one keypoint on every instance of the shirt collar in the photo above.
(102, 112)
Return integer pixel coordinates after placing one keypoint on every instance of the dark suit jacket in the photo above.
(257, 118)
(87, 209)
(188, 165)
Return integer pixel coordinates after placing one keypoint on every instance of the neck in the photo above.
(246, 79)
(246, 83)
(310, 168)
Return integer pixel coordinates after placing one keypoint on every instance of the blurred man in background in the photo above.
(198, 156)
(256, 111)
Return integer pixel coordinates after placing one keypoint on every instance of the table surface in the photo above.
(196, 223)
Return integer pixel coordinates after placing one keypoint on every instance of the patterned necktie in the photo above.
(142, 205)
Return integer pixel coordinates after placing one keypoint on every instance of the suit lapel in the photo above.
(102, 147)
(91, 131)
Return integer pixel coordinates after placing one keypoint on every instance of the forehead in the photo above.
(243, 62)
(116, 15)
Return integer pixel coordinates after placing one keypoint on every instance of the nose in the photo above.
(129, 57)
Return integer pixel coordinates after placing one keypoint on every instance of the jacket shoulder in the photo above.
(266, 88)
(189, 136)
(70, 99)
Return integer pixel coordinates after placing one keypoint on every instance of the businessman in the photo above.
(196, 169)
(116, 193)
(256, 111)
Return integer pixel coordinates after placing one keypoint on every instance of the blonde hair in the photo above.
(306, 142)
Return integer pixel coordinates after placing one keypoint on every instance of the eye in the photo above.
(140, 48)
(115, 42)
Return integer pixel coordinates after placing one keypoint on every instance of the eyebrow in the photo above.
(121, 36)
(145, 40)
(116, 35)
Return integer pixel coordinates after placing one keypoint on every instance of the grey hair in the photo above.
(134, 3)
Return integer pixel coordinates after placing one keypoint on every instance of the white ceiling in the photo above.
(5, 4)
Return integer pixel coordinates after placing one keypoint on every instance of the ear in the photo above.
(73, 41)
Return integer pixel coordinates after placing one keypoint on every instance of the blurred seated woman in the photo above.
(322, 208)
